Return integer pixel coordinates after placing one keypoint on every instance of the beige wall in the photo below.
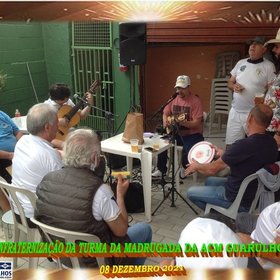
(165, 63)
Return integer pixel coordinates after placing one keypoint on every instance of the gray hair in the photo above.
(38, 116)
(79, 147)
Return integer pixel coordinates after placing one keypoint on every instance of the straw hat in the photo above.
(274, 41)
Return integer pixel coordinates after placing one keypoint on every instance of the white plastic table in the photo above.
(21, 123)
(115, 145)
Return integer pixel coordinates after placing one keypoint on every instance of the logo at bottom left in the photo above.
(6, 270)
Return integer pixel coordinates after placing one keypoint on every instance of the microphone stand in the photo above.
(154, 119)
(109, 116)
(161, 108)
(173, 189)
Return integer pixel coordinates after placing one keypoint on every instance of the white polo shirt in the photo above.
(34, 157)
(254, 78)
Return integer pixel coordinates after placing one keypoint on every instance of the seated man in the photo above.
(186, 110)
(208, 231)
(34, 154)
(244, 157)
(59, 95)
(74, 198)
(266, 231)
(9, 135)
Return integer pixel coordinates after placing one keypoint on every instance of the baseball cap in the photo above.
(183, 81)
(258, 40)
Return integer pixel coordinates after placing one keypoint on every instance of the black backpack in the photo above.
(134, 198)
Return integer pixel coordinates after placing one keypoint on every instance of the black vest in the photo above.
(65, 201)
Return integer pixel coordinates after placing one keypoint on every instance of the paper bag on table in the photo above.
(134, 128)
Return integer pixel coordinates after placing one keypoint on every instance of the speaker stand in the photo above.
(132, 86)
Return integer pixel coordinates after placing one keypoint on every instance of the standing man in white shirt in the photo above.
(34, 155)
(249, 77)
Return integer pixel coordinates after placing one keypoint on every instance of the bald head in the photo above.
(262, 115)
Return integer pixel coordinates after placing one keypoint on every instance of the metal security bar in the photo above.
(92, 60)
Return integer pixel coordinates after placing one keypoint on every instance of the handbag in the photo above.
(134, 128)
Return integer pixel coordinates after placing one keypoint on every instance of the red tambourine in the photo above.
(201, 152)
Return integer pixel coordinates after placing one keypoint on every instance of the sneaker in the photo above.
(157, 174)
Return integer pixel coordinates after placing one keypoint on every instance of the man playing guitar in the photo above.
(186, 114)
(69, 114)
(59, 98)
(59, 95)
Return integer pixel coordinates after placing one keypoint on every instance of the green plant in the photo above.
(3, 80)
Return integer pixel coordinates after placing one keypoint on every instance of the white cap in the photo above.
(183, 81)
(205, 231)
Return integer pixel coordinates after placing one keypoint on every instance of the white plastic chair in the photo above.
(232, 211)
(32, 234)
(68, 236)
(220, 102)
(225, 62)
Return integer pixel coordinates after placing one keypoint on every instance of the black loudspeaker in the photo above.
(132, 43)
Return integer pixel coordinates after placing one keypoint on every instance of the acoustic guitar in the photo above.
(175, 119)
(72, 114)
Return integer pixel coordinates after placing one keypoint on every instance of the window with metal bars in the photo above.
(92, 60)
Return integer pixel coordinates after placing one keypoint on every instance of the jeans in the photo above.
(187, 142)
(140, 233)
(213, 192)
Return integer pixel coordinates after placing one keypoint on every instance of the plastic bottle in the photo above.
(17, 113)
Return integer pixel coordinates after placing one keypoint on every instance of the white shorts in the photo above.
(236, 126)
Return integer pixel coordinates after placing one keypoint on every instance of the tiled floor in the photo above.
(168, 222)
